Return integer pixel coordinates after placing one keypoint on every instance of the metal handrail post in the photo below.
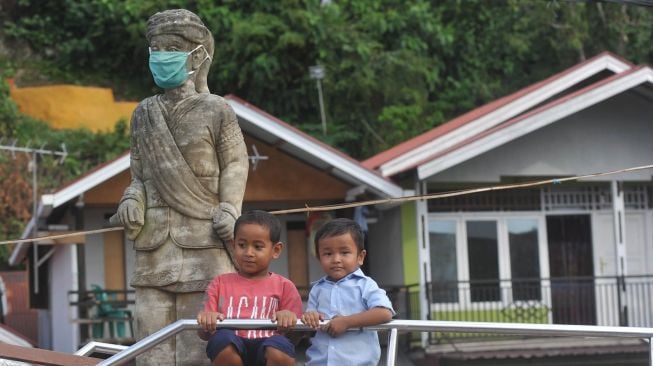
(650, 351)
(392, 347)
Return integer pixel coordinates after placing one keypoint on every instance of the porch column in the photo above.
(619, 219)
(424, 256)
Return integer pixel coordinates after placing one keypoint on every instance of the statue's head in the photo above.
(180, 25)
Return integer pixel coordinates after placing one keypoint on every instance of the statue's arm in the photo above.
(131, 211)
(234, 165)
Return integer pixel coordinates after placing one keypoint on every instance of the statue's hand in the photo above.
(130, 214)
(224, 221)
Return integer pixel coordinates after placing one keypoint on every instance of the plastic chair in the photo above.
(115, 318)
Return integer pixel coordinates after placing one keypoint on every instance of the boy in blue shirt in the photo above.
(347, 298)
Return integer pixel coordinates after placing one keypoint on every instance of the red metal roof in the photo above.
(20, 319)
(519, 118)
(387, 155)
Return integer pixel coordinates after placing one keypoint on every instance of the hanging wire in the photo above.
(392, 200)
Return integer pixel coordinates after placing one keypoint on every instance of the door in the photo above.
(298, 256)
(114, 261)
(571, 268)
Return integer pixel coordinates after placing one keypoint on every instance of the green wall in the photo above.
(410, 246)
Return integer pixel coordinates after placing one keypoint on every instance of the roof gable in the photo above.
(262, 125)
(410, 153)
(307, 148)
(533, 120)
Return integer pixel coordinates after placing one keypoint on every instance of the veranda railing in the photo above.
(395, 326)
(599, 300)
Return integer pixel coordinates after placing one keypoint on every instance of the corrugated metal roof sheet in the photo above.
(536, 348)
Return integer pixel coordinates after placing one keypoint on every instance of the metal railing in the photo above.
(536, 330)
(589, 300)
(602, 300)
(100, 347)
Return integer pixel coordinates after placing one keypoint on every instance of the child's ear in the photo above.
(276, 249)
(361, 257)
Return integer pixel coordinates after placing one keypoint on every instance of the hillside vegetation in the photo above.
(394, 68)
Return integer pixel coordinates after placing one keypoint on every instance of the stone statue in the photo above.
(189, 169)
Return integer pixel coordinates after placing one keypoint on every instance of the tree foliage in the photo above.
(394, 68)
(15, 201)
(87, 149)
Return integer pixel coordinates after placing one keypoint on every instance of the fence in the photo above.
(604, 301)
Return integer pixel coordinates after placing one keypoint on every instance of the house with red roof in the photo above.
(576, 252)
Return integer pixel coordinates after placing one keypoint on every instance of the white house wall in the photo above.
(315, 271)
(63, 278)
(94, 248)
(280, 265)
(385, 248)
(609, 136)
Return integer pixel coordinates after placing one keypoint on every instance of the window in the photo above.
(483, 256)
(524, 259)
(444, 268)
(478, 258)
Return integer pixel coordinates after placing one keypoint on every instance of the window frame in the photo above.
(505, 276)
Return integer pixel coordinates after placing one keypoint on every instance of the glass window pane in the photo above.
(524, 259)
(444, 267)
(483, 255)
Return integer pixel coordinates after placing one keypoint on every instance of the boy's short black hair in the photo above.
(337, 227)
(262, 218)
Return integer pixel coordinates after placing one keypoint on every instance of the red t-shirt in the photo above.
(238, 297)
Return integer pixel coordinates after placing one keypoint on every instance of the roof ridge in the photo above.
(478, 112)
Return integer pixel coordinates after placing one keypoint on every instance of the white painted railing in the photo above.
(395, 326)
(100, 347)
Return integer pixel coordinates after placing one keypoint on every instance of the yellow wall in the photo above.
(72, 106)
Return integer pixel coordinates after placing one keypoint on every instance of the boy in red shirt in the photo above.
(251, 293)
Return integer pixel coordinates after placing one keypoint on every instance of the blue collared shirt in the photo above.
(355, 293)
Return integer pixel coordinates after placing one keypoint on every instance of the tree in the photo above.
(394, 68)
(87, 150)
(15, 201)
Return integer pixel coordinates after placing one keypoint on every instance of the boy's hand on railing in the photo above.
(312, 319)
(336, 326)
(285, 320)
(208, 320)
